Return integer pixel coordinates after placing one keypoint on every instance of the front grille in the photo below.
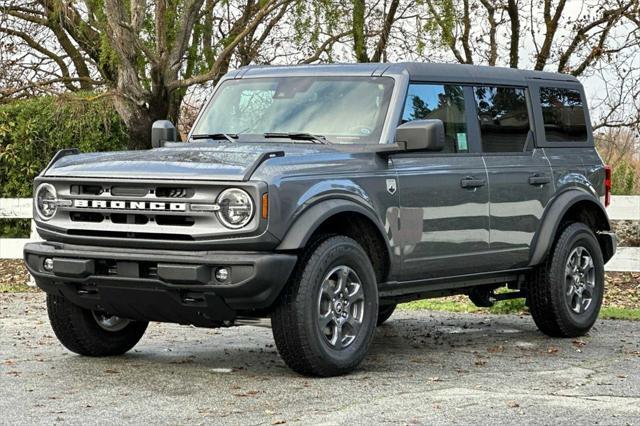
(86, 217)
(173, 192)
(130, 219)
(125, 210)
(134, 235)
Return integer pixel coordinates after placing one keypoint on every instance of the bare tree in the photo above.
(586, 39)
(149, 55)
(144, 53)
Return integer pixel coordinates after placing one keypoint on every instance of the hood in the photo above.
(195, 161)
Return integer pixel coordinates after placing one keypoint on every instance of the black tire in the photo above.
(78, 330)
(385, 312)
(303, 345)
(552, 297)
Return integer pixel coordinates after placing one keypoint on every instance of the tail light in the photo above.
(607, 186)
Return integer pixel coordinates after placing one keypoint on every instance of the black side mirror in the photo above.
(163, 131)
(423, 135)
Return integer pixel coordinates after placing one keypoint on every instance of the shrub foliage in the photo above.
(33, 130)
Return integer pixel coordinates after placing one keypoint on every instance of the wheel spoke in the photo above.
(571, 291)
(327, 288)
(338, 337)
(354, 324)
(572, 260)
(578, 307)
(357, 294)
(343, 275)
(568, 270)
(325, 320)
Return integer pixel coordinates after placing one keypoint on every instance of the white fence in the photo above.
(621, 208)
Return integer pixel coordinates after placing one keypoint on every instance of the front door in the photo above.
(444, 215)
(444, 196)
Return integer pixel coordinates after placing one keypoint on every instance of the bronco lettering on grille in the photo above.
(130, 205)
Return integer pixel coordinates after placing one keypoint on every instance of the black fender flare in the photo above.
(552, 217)
(310, 219)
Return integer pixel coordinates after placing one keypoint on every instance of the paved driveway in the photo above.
(424, 367)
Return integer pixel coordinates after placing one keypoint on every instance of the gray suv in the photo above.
(320, 197)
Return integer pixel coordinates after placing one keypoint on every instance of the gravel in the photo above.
(424, 368)
(628, 232)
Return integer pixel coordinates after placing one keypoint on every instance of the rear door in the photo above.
(444, 196)
(519, 174)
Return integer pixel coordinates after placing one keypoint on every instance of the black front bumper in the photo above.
(161, 285)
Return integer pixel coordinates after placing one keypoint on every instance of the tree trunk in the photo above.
(139, 116)
(359, 39)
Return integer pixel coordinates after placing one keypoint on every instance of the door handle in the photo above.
(539, 179)
(471, 182)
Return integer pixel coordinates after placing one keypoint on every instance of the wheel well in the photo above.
(365, 232)
(588, 213)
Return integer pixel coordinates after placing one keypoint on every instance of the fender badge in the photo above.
(391, 186)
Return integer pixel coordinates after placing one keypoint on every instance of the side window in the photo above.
(563, 115)
(503, 118)
(443, 102)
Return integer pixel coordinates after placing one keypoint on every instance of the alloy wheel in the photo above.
(580, 279)
(341, 305)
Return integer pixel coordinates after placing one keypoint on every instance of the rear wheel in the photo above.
(566, 293)
(385, 312)
(326, 317)
(92, 333)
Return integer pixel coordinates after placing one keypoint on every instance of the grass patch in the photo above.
(514, 307)
(6, 287)
(462, 304)
(612, 312)
(444, 304)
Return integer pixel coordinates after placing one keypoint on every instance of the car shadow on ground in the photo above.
(442, 343)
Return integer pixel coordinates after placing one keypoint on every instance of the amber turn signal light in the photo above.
(265, 206)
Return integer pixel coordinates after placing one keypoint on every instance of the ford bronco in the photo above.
(320, 197)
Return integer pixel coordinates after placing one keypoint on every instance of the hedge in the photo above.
(33, 130)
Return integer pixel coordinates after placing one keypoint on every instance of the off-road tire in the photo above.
(546, 291)
(298, 336)
(78, 331)
(385, 312)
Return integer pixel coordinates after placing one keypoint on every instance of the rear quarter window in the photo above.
(563, 114)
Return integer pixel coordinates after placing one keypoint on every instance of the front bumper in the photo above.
(161, 285)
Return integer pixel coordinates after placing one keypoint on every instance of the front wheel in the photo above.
(326, 317)
(92, 333)
(566, 293)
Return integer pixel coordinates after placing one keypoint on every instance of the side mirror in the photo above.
(163, 131)
(421, 135)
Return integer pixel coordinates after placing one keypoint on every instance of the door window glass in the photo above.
(563, 115)
(443, 102)
(503, 118)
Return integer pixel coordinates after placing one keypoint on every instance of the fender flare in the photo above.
(552, 218)
(310, 219)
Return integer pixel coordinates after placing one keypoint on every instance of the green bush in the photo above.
(33, 130)
(623, 179)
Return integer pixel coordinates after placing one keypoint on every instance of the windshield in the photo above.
(341, 109)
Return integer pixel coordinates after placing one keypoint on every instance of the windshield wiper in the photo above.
(298, 136)
(217, 136)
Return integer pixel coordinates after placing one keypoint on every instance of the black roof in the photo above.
(420, 71)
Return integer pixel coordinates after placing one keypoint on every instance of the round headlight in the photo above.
(45, 201)
(236, 208)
